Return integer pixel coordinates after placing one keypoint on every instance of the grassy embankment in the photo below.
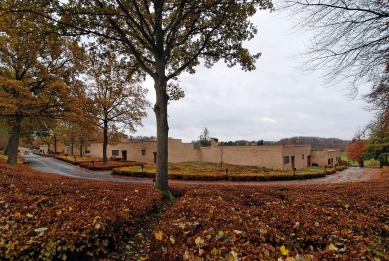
(213, 171)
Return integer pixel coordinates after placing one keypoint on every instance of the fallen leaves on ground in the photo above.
(348, 221)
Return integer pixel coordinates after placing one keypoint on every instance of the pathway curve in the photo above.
(52, 165)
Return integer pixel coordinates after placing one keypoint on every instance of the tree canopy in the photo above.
(37, 73)
(378, 143)
(165, 38)
(356, 151)
(116, 94)
(204, 138)
(350, 43)
(350, 37)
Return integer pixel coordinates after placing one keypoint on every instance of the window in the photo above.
(329, 161)
(87, 151)
(143, 152)
(286, 159)
(303, 156)
(115, 152)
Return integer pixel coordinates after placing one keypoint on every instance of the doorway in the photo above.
(124, 155)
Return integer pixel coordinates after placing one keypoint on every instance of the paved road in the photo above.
(52, 165)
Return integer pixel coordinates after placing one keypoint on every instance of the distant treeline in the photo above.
(316, 143)
(141, 138)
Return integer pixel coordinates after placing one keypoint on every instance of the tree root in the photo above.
(166, 194)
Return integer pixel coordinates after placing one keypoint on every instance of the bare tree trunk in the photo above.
(14, 142)
(160, 110)
(105, 142)
(9, 142)
(55, 145)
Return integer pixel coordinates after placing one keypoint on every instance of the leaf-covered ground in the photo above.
(347, 221)
(51, 217)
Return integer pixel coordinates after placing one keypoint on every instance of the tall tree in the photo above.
(36, 70)
(356, 151)
(166, 37)
(378, 101)
(350, 37)
(116, 93)
(204, 138)
(378, 143)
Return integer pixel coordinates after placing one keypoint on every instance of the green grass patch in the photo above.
(4, 158)
(214, 171)
(372, 163)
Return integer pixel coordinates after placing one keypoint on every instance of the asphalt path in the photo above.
(52, 165)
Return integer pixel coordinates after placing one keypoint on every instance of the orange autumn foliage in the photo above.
(355, 151)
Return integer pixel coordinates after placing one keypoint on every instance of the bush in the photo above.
(343, 163)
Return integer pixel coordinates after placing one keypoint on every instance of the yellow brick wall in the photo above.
(132, 148)
(178, 151)
(182, 152)
(262, 156)
(334, 154)
(297, 153)
(319, 157)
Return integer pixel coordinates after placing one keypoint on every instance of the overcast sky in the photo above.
(273, 102)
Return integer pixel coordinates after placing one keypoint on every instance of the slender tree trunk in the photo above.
(105, 142)
(14, 142)
(9, 142)
(160, 110)
(55, 146)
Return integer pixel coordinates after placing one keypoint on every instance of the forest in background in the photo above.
(317, 143)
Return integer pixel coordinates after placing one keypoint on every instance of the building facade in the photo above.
(274, 156)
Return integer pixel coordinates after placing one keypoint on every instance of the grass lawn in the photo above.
(367, 163)
(213, 171)
(4, 157)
